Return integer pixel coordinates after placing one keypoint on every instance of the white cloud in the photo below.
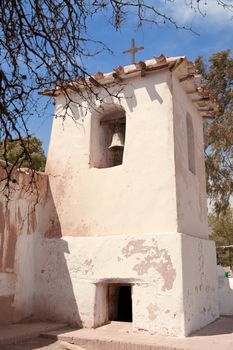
(200, 13)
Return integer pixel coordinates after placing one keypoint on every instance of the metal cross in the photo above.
(133, 50)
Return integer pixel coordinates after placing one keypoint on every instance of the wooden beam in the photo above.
(200, 99)
(142, 67)
(117, 77)
(191, 92)
(205, 110)
(186, 77)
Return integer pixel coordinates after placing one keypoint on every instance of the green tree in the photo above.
(218, 75)
(221, 227)
(24, 153)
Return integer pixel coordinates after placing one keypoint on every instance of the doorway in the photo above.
(120, 302)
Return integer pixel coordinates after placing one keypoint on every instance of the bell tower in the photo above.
(128, 183)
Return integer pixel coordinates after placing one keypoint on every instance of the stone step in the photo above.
(120, 336)
(104, 344)
(98, 344)
(114, 336)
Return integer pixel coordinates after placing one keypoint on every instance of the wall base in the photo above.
(173, 278)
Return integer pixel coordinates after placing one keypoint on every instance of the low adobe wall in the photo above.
(225, 289)
(21, 205)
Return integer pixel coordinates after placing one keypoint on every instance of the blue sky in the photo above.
(215, 31)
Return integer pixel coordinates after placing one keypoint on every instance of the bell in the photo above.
(117, 140)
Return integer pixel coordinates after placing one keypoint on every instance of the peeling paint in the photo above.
(153, 257)
(134, 247)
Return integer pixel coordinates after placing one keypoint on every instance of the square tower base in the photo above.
(171, 277)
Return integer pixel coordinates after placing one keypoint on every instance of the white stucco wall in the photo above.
(190, 188)
(200, 287)
(225, 289)
(155, 150)
(25, 277)
(169, 294)
(114, 200)
(72, 272)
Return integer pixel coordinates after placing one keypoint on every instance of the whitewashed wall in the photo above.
(190, 188)
(225, 289)
(137, 196)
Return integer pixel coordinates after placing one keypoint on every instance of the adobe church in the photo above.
(120, 230)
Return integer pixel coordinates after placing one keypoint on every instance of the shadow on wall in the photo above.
(55, 298)
(223, 325)
(126, 90)
(129, 93)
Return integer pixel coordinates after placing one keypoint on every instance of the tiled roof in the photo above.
(183, 68)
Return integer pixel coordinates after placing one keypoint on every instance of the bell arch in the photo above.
(107, 138)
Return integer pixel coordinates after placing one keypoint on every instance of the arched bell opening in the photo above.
(108, 137)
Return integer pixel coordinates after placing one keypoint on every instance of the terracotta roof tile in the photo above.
(183, 68)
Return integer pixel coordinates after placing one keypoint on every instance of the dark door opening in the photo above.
(120, 303)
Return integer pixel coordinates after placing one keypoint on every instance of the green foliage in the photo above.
(24, 153)
(222, 233)
(218, 75)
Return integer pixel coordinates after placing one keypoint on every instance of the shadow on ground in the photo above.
(39, 343)
(223, 325)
